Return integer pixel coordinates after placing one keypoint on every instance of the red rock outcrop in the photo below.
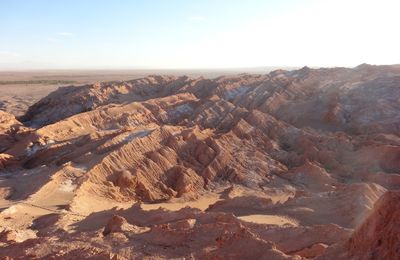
(284, 164)
(379, 235)
(11, 130)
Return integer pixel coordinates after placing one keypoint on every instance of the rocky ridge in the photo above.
(298, 153)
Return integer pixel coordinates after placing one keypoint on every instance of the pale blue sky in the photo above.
(61, 34)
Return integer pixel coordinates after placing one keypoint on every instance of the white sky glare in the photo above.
(209, 34)
(327, 33)
(67, 34)
(197, 18)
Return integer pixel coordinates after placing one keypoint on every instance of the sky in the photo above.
(197, 34)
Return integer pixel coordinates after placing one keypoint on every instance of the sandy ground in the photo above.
(269, 219)
(16, 99)
(56, 196)
(203, 203)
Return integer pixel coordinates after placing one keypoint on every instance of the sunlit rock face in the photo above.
(284, 165)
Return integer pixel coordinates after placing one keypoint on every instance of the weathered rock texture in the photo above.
(277, 166)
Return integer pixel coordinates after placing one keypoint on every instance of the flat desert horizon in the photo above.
(20, 89)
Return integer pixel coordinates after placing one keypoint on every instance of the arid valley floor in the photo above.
(287, 164)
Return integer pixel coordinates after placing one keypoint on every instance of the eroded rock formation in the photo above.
(277, 166)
